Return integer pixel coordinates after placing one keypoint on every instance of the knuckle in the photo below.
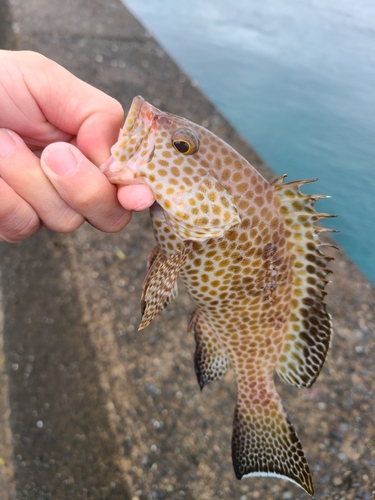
(67, 222)
(86, 198)
(14, 227)
(114, 222)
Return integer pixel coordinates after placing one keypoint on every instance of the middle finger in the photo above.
(21, 170)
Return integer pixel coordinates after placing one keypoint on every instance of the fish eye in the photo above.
(182, 146)
(185, 141)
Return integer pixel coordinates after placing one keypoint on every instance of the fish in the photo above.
(249, 254)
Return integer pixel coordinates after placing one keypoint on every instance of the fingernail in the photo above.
(60, 159)
(7, 143)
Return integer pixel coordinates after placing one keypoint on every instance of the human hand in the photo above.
(42, 105)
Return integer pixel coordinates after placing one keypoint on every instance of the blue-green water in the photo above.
(297, 80)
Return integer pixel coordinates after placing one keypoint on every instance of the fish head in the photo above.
(176, 159)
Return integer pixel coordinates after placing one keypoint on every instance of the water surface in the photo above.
(297, 80)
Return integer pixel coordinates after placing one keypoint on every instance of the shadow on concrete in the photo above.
(62, 442)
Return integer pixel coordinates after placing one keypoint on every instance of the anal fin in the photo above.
(265, 443)
(160, 283)
(211, 361)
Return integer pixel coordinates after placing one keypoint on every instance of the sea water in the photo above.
(297, 80)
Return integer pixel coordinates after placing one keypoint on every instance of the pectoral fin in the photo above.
(160, 282)
(207, 210)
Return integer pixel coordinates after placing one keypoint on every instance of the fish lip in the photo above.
(118, 173)
(141, 115)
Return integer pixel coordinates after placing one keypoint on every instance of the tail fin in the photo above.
(264, 443)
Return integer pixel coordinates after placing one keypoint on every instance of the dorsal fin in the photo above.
(310, 328)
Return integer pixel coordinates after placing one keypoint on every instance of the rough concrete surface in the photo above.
(91, 408)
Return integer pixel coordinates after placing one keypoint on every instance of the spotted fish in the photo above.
(248, 252)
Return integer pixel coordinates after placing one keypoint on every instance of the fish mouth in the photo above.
(135, 145)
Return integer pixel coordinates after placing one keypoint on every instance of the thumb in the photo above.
(83, 186)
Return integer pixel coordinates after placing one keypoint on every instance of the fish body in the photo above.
(248, 253)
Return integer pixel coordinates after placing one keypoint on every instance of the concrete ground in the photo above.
(92, 409)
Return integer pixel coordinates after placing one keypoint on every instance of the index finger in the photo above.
(71, 105)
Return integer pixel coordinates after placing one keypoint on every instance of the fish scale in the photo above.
(248, 252)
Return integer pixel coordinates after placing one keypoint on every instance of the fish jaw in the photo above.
(134, 147)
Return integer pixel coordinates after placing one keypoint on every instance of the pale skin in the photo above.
(55, 131)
